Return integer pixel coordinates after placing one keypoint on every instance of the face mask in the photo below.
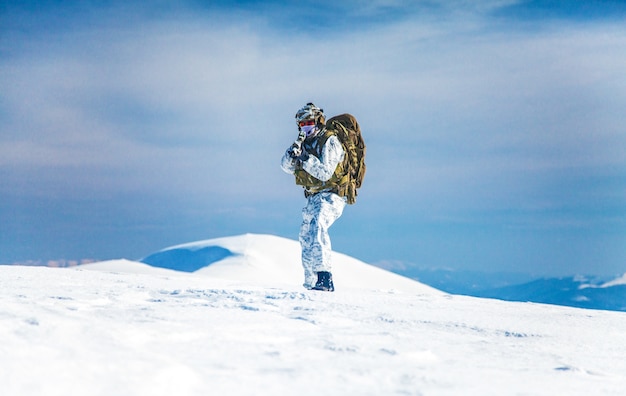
(308, 130)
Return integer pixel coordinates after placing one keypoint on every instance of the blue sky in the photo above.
(495, 129)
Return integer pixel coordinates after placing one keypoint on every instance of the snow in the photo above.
(268, 258)
(126, 328)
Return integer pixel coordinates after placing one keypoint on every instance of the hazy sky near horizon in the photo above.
(496, 130)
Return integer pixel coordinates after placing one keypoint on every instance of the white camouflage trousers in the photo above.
(318, 215)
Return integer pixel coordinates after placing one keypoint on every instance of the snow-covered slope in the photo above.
(162, 333)
(263, 259)
(127, 266)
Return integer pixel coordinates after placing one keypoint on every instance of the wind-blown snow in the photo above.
(131, 329)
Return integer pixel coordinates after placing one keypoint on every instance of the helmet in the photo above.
(310, 112)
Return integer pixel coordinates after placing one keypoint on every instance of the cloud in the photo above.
(465, 117)
(159, 87)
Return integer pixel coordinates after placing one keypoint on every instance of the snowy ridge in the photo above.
(620, 281)
(265, 259)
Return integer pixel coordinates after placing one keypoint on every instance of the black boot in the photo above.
(324, 282)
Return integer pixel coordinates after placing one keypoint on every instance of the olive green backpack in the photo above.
(347, 129)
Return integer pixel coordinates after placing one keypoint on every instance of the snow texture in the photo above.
(232, 328)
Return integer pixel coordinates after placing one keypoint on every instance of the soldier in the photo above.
(316, 161)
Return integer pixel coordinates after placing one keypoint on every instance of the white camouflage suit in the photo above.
(321, 210)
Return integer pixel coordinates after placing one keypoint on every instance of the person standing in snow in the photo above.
(315, 160)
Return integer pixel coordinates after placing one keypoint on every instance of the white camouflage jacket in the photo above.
(321, 168)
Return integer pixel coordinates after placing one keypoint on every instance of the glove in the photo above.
(298, 155)
(304, 155)
(294, 151)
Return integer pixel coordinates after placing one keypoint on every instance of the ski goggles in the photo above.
(306, 123)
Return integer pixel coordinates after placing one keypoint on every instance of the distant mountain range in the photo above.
(576, 291)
